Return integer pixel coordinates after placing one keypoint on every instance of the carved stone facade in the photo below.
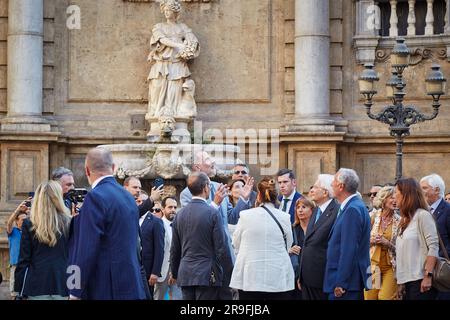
(94, 88)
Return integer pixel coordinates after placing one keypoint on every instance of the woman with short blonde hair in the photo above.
(385, 227)
(41, 271)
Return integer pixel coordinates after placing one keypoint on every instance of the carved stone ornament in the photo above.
(417, 54)
(202, 1)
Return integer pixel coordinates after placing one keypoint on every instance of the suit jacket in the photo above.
(348, 261)
(313, 256)
(152, 242)
(292, 208)
(228, 214)
(105, 245)
(442, 216)
(199, 247)
(41, 269)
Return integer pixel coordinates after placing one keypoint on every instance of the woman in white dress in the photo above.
(263, 269)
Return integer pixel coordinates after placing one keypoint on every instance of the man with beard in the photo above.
(166, 282)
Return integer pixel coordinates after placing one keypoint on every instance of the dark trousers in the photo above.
(349, 295)
(412, 292)
(200, 293)
(311, 293)
(257, 295)
(225, 293)
(443, 296)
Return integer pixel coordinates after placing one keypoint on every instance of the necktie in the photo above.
(339, 213)
(319, 213)
(286, 200)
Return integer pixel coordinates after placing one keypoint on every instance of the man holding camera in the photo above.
(65, 178)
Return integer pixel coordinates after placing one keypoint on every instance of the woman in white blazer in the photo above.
(263, 269)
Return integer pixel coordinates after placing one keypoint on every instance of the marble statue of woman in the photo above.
(172, 44)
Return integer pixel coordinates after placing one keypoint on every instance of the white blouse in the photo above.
(262, 261)
(419, 240)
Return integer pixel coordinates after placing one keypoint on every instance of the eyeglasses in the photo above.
(156, 210)
(372, 194)
(240, 172)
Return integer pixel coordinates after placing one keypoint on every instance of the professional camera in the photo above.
(76, 195)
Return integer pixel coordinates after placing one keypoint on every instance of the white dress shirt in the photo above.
(96, 182)
(288, 206)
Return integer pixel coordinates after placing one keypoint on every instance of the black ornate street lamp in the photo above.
(400, 117)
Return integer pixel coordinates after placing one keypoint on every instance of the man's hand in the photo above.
(221, 193)
(338, 292)
(156, 193)
(400, 292)
(425, 285)
(248, 188)
(295, 250)
(171, 281)
(152, 280)
(299, 285)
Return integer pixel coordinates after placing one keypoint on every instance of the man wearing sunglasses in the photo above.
(242, 172)
(372, 194)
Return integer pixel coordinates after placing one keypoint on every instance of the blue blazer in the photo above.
(199, 247)
(104, 245)
(442, 216)
(152, 242)
(348, 261)
(292, 208)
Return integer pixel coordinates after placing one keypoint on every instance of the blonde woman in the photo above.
(41, 271)
(385, 226)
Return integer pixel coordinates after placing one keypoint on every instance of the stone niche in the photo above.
(108, 55)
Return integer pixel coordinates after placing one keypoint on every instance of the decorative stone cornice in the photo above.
(202, 1)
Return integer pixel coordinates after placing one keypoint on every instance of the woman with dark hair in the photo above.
(235, 187)
(417, 244)
(303, 211)
(263, 235)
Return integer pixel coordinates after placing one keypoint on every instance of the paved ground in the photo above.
(4, 291)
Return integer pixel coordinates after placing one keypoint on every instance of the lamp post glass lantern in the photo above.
(400, 117)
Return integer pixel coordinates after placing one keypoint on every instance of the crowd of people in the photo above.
(229, 242)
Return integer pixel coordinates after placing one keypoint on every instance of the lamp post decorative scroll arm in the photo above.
(400, 117)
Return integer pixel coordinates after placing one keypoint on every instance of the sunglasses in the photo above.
(156, 210)
(240, 172)
(372, 194)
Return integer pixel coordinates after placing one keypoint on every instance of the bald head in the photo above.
(99, 162)
(196, 182)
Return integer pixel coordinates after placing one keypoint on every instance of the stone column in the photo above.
(25, 70)
(312, 66)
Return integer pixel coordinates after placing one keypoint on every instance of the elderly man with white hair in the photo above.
(433, 187)
(314, 249)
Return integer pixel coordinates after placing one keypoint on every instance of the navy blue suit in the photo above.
(292, 208)
(442, 216)
(104, 245)
(152, 241)
(348, 261)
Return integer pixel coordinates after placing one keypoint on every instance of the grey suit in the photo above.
(314, 253)
(199, 256)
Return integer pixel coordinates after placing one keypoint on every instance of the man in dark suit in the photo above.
(199, 255)
(348, 262)
(104, 244)
(314, 249)
(152, 242)
(433, 187)
(289, 196)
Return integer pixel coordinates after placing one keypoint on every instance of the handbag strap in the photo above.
(279, 225)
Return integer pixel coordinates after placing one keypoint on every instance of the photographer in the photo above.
(65, 178)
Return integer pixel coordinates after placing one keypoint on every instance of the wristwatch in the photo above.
(430, 274)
